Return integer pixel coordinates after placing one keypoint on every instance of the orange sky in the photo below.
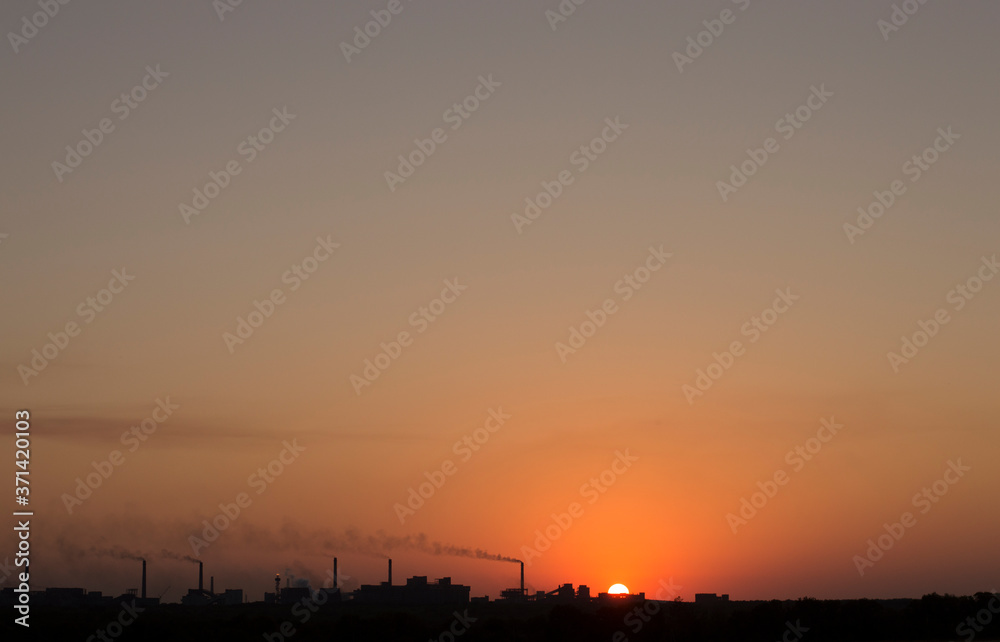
(637, 241)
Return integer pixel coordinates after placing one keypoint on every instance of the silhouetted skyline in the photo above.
(697, 293)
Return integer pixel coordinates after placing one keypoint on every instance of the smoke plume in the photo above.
(378, 544)
(170, 555)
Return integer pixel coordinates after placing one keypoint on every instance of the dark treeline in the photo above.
(932, 617)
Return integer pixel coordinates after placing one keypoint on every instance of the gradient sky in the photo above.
(496, 345)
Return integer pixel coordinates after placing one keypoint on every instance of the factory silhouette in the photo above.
(416, 591)
(419, 609)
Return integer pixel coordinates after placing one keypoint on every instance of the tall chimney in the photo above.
(335, 572)
(522, 578)
(211, 585)
(390, 571)
(143, 579)
(201, 576)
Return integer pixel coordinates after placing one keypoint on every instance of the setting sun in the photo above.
(440, 339)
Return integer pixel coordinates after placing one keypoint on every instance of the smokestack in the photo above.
(277, 588)
(143, 579)
(211, 585)
(201, 576)
(390, 571)
(335, 572)
(522, 578)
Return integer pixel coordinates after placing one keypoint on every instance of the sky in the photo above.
(632, 233)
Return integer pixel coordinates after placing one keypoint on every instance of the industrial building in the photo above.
(416, 591)
(60, 597)
(563, 594)
(201, 597)
(515, 595)
(140, 598)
